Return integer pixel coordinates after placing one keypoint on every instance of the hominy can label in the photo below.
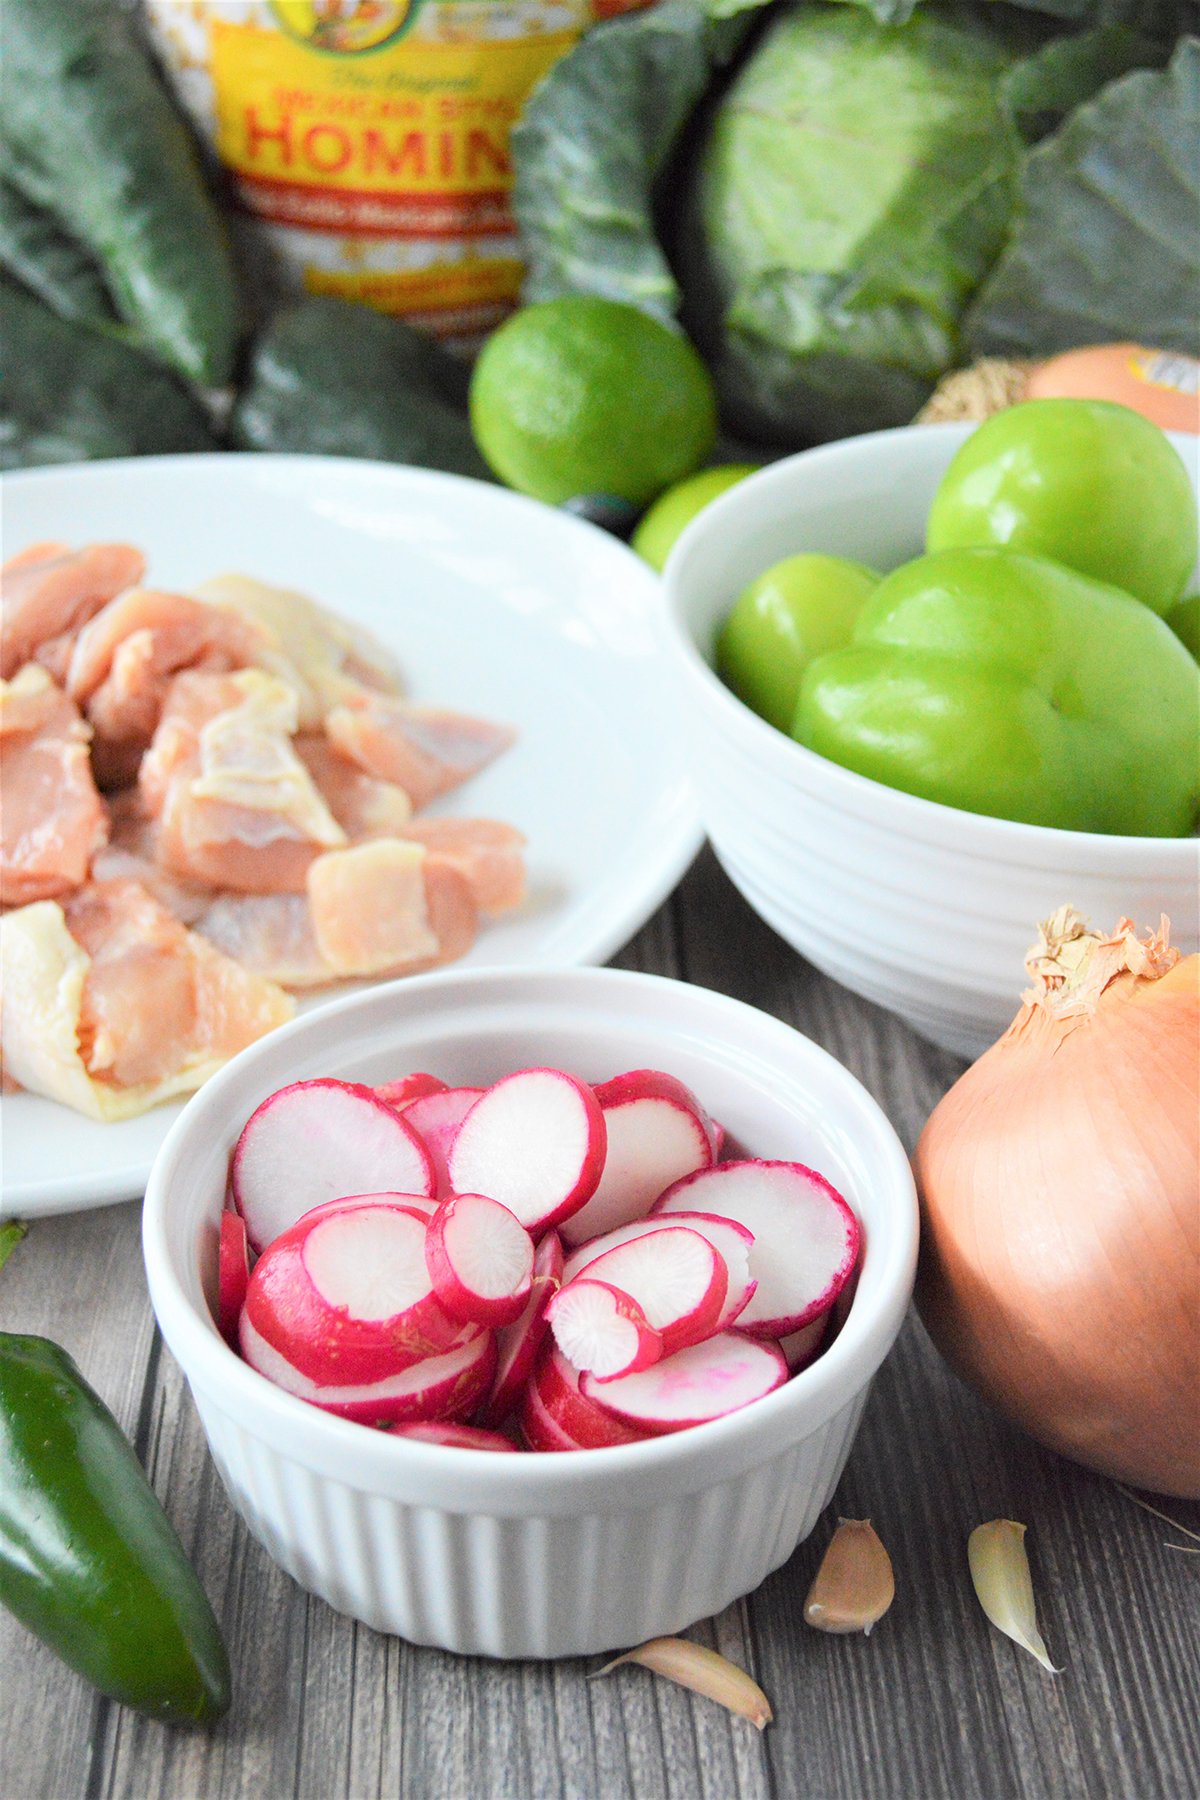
(367, 140)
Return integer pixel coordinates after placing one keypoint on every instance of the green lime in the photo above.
(797, 610)
(581, 396)
(655, 536)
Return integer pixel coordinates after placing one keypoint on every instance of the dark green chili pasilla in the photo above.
(89, 1561)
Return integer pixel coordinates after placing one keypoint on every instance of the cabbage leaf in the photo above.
(1105, 246)
(595, 138)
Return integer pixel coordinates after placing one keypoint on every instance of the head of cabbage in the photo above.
(842, 201)
(850, 191)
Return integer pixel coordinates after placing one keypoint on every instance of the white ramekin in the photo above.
(923, 908)
(549, 1555)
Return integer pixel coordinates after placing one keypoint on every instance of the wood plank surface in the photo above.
(934, 1705)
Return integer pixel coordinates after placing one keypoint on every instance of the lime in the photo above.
(797, 610)
(655, 536)
(586, 396)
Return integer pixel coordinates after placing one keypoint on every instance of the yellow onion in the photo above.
(1060, 1196)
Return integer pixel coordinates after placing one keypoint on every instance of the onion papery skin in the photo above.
(1060, 1252)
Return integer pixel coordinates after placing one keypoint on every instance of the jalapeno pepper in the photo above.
(89, 1561)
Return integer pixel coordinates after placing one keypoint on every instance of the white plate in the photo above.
(493, 604)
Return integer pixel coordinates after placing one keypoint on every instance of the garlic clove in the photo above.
(703, 1671)
(854, 1585)
(1000, 1572)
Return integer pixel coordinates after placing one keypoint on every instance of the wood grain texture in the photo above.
(934, 1705)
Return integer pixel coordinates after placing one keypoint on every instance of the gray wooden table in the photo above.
(935, 1705)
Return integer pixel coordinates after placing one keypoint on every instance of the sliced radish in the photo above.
(407, 1088)
(346, 1296)
(535, 1142)
(806, 1238)
(800, 1347)
(657, 1132)
(675, 1276)
(556, 1384)
(518, 1344)
(480, 1260)
(233, 1275)
(438, 1387)
(704, 1382)
(420, 1205)
(540, 1431)
(436, 1118)
(731, 1241)
(602, 1330)
(458, 1437)
(321, 1140)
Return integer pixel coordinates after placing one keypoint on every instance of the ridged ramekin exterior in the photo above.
(538, 1555)
(530, 1586)
(926, 910)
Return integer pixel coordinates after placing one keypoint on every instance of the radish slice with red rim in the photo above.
(407, 1088)
(436, 1118)
(800, 1347)
(535, 1142)
(480, 1260)
(602, 1330)
(456, 1437)
(590, 1427)
(346, 1295)
(233, 1275)
(448, 1386)
(806, 1239)
(674, 1275)
(657, 1132)
(517, 1345)
(731, 1241)
(704, 1382)
(539, 1430)
(321, 1140)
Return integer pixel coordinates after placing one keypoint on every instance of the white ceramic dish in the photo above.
(493, 604)
(549, 1555)
(923, 908)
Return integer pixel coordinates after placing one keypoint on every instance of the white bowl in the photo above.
(550, 1555)
(925, 909)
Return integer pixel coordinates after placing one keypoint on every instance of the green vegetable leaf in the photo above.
(90, 135)
(50, 264)
(596, 135)
(1105, 247)
(1043, 88)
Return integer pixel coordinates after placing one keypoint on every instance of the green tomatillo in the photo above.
(1091, 484)
(797, 610)
(1006, 684)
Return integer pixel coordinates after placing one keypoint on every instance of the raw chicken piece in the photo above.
(48, 592)
(131, 854)
(324, 658)
(52, 819)
(423, 749)
(386, 907)
(111, 1006)
(272, 934)
(192, 700)
(363, 806)
(381, 908)
(123, 660)
(238, 809)
(488, 853)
